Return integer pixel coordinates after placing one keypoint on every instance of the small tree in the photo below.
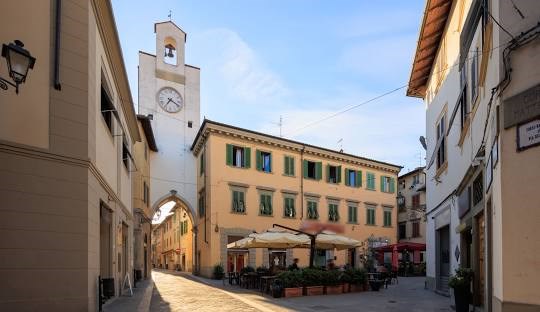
(218, 271)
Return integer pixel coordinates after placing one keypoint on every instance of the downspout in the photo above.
(58, 8)
(302, 182)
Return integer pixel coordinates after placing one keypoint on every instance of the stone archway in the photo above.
(191, 213)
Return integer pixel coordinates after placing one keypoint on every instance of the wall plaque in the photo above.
(528, 134)
(522, 107)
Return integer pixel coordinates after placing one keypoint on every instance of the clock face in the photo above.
(170, 100)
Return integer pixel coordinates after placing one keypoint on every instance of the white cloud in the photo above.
(164, 212)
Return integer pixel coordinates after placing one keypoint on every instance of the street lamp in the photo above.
(18, 61)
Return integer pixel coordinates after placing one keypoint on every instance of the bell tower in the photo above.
(169, 92)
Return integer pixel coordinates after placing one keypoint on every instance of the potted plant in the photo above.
(346, 280)
(312, 282)
(332, 282)
(461, 283)
(358, 280)
(291, 282)
(218, 271)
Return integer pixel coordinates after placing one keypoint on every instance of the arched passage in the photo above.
(174, 237)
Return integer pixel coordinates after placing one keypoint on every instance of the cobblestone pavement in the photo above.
(183, 292)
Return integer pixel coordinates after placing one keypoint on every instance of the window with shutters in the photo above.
(441, 138)
(416, 229)
(238, 156)
(289, 210)
(146, 198)
(474, 77)
(353, 214)
(387, 184)
(201, 163)
(387, 214)
(353, 178)
(202, 208)
(370, 184)
(264, 161)
(312, 170)
(125, 153)
(478, 190)
(333, 212)
(238, 201)
(107, 108)
(402, 231)
(288, 166)
(333, 174)
(370, 215)
(265, 204)
(416, 201)
(312, 212)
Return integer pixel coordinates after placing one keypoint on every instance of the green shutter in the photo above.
(247, 157)
(318, 174)
(358, 178)
(229, 154)
(382, 183)
(291, 165)
(269, 204)
(338, 174)
(258, 160)
(327, 173)
(347, 177)
(305, 168)
(392, 187)
(286, 164)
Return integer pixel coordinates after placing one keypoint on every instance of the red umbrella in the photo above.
(395, 264)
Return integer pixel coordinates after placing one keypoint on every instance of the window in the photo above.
(190, 124)
(145, 151)
(441, 139)
(202, 207)
(312, 213)
(201, 163)
(474, 76)
(353, 214)
(478, 190)
(146, 191)
(170, 51)
(265, 204)
(264, 161)
(370, 215)
(416, 179)
(125, 153)
(107, 108)
(402, 230)
(387, 184)
(416, 229)
(416, 201)
(238, 201)
(183, 227)
(370, 181)
(333, 174)
(312, 170)
(289, 166)
(387, 218)
(333, 213)
(289, 211)
(462, 102)
(353, 178)
(238, 156)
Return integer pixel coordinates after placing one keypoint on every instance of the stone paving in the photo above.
(175, 291)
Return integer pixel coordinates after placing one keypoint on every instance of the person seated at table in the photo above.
(330, 265)
(294, 265)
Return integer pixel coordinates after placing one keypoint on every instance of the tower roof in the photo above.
(172, 23)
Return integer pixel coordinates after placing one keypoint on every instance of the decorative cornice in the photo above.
(289, 192)
(334, 198)
(370, 203)
(264, 188)
(352, 201)
(312, 195)
(237, 184)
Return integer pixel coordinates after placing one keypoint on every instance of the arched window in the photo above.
(170, 51)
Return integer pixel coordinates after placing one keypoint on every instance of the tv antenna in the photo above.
(170, 15)
(340, 143)
(280, 124)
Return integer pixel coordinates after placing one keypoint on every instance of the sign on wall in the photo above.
(522, 107)
(528, 134)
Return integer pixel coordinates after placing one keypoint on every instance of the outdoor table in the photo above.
(251, 280)
(374, 276)
(266, 281)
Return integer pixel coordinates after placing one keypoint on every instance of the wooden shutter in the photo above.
(392, 186)
(318, 167)
(247, 157)
(347, 177)
(229, 152)
(358, 179)
(382, 184)
(258, 160)
(291, 165)
(338, 174)
(286, 163)
(305, 169)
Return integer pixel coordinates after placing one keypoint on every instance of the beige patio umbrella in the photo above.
(330, 240)
(272, 238)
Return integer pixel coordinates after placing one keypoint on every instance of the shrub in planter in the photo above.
(312, 281)
(461, 283)
(246, 269)
(292, 283)
(357, 279)
(263, 271)
(332, 282)
(218, 271)
(346, 280)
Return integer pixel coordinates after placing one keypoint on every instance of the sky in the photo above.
(301, 60)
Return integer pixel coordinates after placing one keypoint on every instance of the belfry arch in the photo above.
(190, 213)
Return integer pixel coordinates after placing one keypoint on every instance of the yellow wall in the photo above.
(219, 195)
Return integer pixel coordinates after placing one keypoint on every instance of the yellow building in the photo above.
(173, 242)
(247, 181)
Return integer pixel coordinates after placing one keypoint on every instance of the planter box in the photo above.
(314, 290)
(334, 290)
(357, 288)
(375, 285)
(293, 292)
(346, 287)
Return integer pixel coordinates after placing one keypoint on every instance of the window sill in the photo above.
(236, 167)
(238, 213)
(370, 189)
(262, 171)
(288, 217)
(353, 223)
(265, 215)
(332, 221)
(371, 224)
(289, 175)
(464, 131)
(314, 219)
(387, 226)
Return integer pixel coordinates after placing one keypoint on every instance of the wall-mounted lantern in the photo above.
(19, 60)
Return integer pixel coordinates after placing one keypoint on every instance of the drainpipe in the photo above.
(302, 182)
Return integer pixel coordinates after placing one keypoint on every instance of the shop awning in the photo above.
(401, 247)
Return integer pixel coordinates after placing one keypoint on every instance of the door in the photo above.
(239, 262)
(480, 222)
(351, 257)
(105, 240)
(443, 255)
(145, 262)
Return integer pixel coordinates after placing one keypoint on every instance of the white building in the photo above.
(473, 69)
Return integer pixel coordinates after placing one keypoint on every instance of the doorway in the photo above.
(481, 240)
(443, 258)
(105, 244)
(351, 257)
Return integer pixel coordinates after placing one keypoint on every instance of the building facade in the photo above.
(472, 69)
(143, 213)
(66, 165)
(412, 207)
(248, 181)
